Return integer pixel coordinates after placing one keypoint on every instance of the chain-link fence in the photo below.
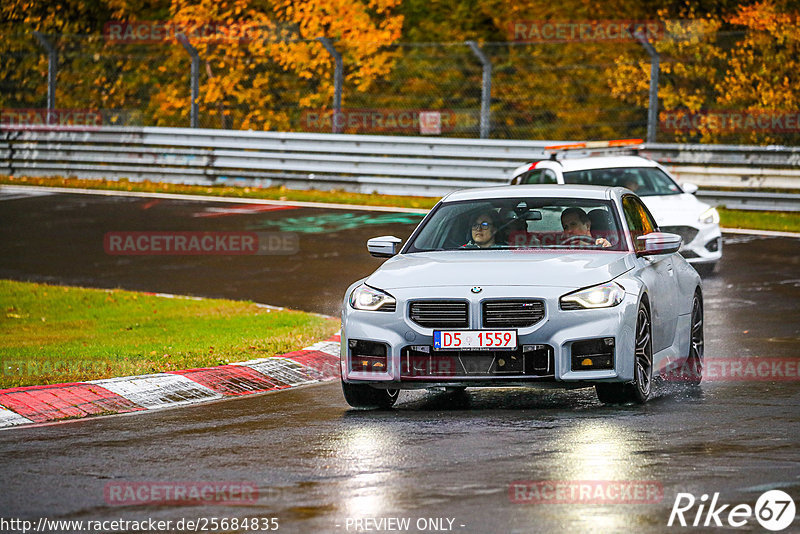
(558, 90)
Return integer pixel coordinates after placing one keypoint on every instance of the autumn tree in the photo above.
(265, 82)
(23, 69)
(763, 69)
(715, 66)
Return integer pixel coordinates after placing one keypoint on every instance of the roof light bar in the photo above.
(596, 144)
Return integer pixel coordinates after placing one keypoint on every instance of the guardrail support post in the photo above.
(652, 108)
(338, 80)
(52, 66)
(195, 77)
(486, 89)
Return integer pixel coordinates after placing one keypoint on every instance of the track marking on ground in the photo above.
(203, 198)
(9, 418)
(763, 233)
(58, 402)
(159, 390)
(14, 194)
(247, 209)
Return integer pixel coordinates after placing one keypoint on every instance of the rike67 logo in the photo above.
(774, 510)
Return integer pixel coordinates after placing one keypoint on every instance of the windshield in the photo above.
(520, 223)
(644, 181)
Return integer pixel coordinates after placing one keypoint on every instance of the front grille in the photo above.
(439, 314)
(512, 313)
(686, 232)
(422, 362)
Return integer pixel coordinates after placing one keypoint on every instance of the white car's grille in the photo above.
(512, 313)
(686, 232)
(439, 314)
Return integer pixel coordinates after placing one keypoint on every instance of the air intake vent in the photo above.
(440, 314)
(512, 313)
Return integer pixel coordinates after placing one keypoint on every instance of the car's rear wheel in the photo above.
(639, 390)
(368, 397)
(694, 362)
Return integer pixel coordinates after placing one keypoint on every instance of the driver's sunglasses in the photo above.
(482, 226)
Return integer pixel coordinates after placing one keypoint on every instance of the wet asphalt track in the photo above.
(316, 463)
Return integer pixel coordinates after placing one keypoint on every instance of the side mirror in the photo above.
(385, 246)
(690, 188)
(658, 243)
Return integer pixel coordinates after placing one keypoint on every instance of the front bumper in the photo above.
(555, 334)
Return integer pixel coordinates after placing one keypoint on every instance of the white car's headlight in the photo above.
(710, 216)
(368, 298)
(602, 296)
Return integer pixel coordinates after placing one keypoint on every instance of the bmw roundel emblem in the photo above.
(476, 289)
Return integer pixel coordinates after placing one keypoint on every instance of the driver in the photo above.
(576, 222)
(484, 227)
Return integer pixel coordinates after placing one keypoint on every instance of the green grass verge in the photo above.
(757, 220)
(51, 334)
(782, 221)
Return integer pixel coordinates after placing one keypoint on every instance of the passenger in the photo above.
(576, 222)
(484, 228)
(630, 181)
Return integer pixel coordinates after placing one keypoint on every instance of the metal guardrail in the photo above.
(394, 165)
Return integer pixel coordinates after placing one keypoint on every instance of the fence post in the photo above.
(52, 66)
(652, 107)
(338, 79)
(486, 89)
(195, 75)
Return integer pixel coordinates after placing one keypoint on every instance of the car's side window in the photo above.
(647, 219)
(548, 177)
(531, 177)
(538, 176)
(633, 218)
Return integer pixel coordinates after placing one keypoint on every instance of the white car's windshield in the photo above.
(521, 223)
(644, 181)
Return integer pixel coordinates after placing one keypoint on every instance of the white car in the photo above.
(675, 208)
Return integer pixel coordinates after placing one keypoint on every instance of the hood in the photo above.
(670, 210)
(570, 269)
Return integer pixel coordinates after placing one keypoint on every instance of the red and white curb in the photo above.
(42, 404)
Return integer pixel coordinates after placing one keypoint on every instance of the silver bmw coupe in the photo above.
(542, 286)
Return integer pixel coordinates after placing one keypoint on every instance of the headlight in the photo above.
(710, 216)
(602, 296)
(368, 298)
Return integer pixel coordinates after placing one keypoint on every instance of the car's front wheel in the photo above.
(694, 361)
(368, 397)
(639, 390)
